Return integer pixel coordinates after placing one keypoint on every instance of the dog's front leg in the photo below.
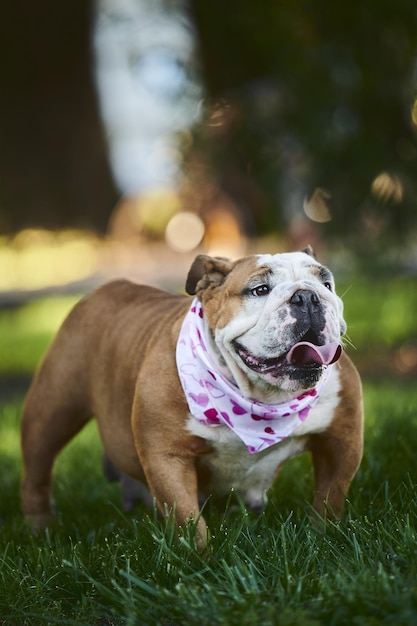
(171, 474)
(335, 462)
(173, 483)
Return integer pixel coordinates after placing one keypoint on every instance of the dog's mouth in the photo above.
(304, 355)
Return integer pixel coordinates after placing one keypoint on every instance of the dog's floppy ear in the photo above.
(309, 250)
(207, 271)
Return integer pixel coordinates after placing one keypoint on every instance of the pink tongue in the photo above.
(305, 352)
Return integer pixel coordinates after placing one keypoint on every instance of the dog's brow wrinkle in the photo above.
(315, 269)
(261, 275)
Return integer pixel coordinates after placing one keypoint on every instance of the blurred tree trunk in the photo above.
(53, 163)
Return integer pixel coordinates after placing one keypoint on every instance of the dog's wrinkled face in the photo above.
(275, 320)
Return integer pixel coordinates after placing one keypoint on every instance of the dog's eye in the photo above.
(328, 285)
(260, 290)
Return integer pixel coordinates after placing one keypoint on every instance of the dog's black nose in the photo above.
(304, 299)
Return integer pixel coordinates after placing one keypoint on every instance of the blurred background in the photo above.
(137, 133)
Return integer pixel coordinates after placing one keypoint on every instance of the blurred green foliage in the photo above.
(25, 332)
(380, 313)
(314, 95)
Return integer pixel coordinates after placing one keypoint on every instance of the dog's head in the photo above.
(274, 321)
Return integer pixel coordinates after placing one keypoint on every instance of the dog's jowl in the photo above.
(202, 394)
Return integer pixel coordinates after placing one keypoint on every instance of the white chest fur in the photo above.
(233, 467)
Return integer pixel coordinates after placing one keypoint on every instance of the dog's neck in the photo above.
(215, 401)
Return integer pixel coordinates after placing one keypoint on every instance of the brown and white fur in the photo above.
(114, 359)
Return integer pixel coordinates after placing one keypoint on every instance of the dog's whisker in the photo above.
(346, 291)
(347, 340)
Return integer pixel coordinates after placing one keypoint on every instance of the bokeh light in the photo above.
(387, 187)
(316, 207)
(184, 232)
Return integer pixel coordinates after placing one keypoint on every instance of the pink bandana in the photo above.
(214, 401)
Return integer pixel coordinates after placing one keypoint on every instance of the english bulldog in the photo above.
(203, 394)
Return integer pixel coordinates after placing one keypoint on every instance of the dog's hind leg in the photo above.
(54, 412)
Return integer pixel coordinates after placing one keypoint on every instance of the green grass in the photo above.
(101, 567)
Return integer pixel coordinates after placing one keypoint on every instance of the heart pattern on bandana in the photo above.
(215, 401)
